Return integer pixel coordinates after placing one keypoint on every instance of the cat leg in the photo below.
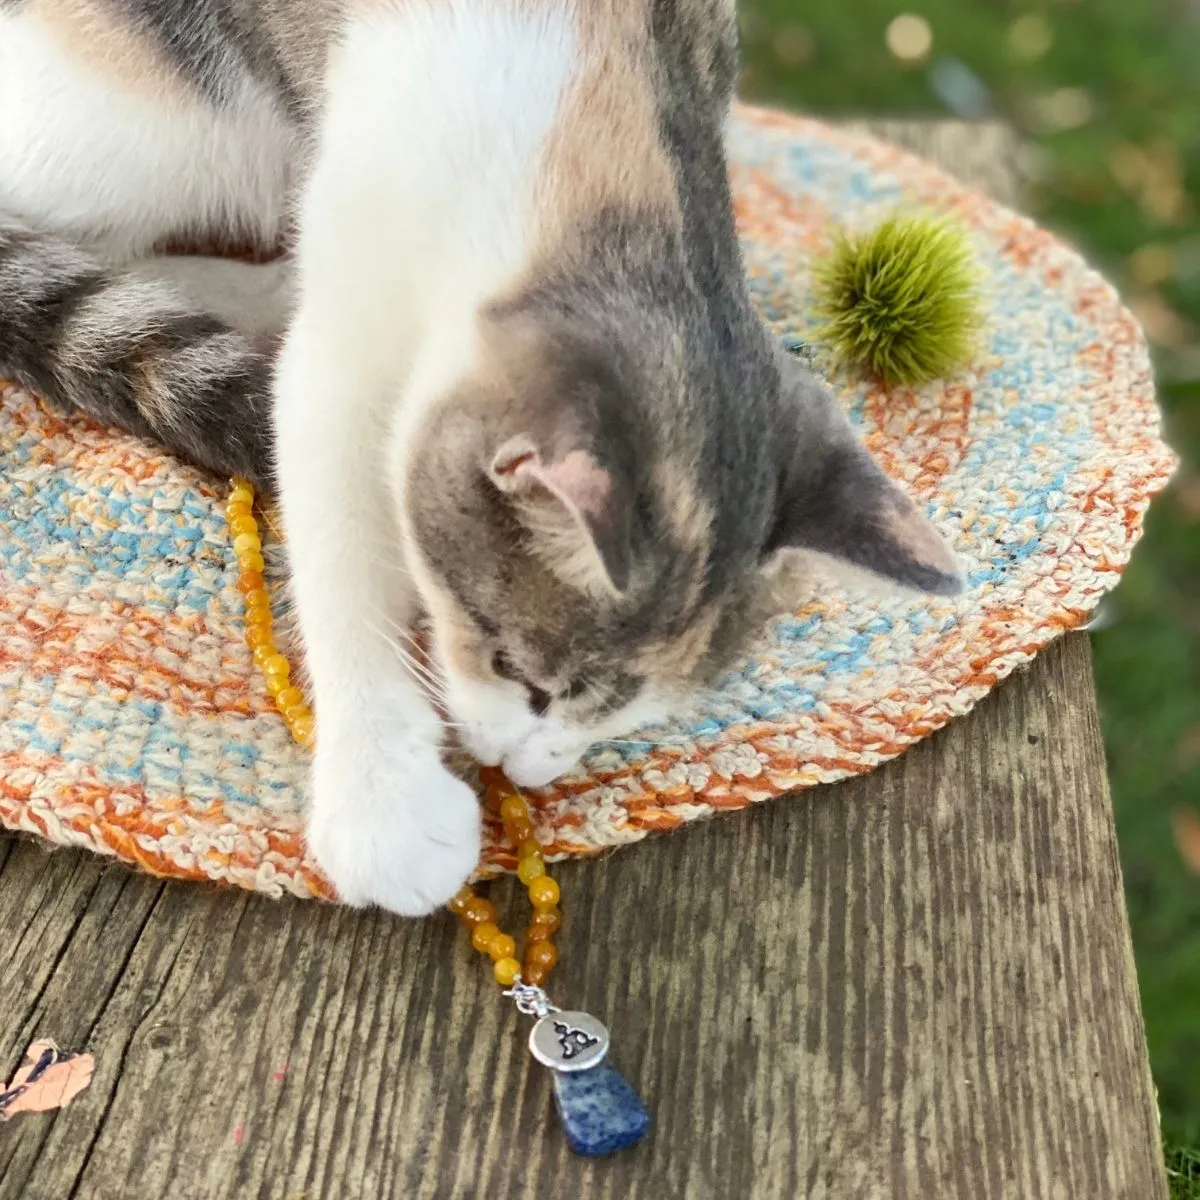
(133, 352)
(389, 824)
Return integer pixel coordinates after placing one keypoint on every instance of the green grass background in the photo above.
(1114, 162)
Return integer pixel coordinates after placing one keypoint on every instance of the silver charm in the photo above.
(568, 1041)
(600, 1112)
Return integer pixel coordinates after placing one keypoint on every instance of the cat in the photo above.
(507, 378)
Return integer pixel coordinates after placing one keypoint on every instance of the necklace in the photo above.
(599, 1110)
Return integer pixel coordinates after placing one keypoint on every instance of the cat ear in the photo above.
(571, 485)
(835, 501)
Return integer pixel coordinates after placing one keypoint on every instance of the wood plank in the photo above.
(919, 983)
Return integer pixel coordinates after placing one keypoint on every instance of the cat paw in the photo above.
(405, 837)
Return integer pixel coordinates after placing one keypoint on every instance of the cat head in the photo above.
(595, 530)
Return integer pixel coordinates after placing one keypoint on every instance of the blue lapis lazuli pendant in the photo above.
(599, 1109)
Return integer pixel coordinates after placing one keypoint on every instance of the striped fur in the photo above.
(129, 351)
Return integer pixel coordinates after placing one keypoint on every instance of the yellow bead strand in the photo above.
(275, 668)
(479, 915)
(475, 912)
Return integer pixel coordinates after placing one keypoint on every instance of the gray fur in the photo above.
(722, 452)
(651, 337)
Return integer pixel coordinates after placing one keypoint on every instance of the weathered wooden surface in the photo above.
(919, 983)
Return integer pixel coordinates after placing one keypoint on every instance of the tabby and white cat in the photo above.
(520, 389)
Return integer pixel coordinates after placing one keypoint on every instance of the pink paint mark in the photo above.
(281, 1074)
(239, 1134)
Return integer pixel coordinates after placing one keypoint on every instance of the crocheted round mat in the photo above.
(132, 721)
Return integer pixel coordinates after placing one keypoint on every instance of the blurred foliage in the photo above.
(1183, 1173)
(1107, 96)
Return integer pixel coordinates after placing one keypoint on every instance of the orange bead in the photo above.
(253, 562)
(263, 654)
(290, 697)
(244, 543)
(543, 892)
(242, 523)
(257, 614)
(276, 667)
(528, 848)
(506, 971)
(530, 868)
(513, 808)
(460, 900)
(532, 973)
(478, 911)
(250, 581)
(502, 946)
(238, 508)
(258, 634)
(241, 492)
(546, 919)
(521, 830)
(493, 777)
(481, 937)
(541, 954)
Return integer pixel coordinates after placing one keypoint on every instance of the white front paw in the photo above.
(394, 829)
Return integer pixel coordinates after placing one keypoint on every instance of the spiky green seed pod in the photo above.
(900, 301)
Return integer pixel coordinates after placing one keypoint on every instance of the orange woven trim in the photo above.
(127, 824)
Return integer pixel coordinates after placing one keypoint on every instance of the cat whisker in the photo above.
(422, 675)
(649, 740)
(267, 516)
(396, 627)
(425, 662)
(601, 697)
(388, 565)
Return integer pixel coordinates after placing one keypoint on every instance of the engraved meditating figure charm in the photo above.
(599, 1110)
(573, 1041)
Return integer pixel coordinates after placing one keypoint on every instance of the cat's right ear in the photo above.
(564, 449)
(574, 506)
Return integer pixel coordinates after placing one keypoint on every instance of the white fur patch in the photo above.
(81, 156)
(555, 747)
(254, 298)
(417, 213)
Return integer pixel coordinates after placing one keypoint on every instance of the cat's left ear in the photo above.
(572, 502)
(835, 501)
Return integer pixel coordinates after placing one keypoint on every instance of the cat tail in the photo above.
(131, 351)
